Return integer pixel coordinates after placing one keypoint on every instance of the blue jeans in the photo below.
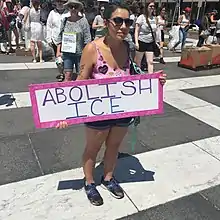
(70, 60)
(182, 38)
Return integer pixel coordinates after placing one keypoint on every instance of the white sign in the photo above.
(94, 100)
(68, 43)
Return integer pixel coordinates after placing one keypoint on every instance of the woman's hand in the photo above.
(62, 125)
(163, 78)
(137, 46)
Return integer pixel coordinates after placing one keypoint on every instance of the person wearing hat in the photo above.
(73, 36)
(184, 23)
(53, 29)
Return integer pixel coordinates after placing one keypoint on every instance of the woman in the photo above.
(144, 40)
(4, 26)
(98, 24)
(24, 18)
(112, 51)
(161, 23)
(213, 21)
(11, 15)
(53, 30)
(184, 22)
(74, 35)
(36, 30)
(204, 30)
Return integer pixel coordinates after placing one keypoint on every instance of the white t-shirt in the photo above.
(145, 34)
(161, 22)
(99, 21)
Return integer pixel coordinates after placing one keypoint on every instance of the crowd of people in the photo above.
(36, 21)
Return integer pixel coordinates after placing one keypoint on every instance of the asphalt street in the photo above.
(178, 151)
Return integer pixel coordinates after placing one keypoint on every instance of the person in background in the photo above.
(53, 30)
(184, 22)
(24, 18)
(213, 21)
(143, 36)
(90, 14)
(4, 26)
(161, 23)
(44, 13)
(74, 35)
(36, 30)
(204, 30)
(11, 15)
(98, 24)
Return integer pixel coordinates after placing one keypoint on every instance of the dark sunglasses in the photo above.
(73, 6)
(119, 21)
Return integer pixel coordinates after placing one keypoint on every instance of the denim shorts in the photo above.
(70, 60)
(107, 124)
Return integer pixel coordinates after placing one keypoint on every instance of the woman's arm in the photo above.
(180, 19)
(87, 62)
(136, 33)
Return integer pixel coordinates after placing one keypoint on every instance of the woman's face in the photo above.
(163, 11)
(151, 8)
(59, 4)
(74, 9)
(36, 5)
(119, 24)
(102, 10)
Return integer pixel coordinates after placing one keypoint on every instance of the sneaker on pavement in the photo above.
(93, 194)
(113, 187)
(34, 61)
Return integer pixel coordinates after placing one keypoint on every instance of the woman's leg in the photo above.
(200, 42)
(150, 59)
(94, 140)
(33, 51)
(184, 34)
(113, 142)
(138, 58)
(40, 49)
(180, 39)
(15, 31)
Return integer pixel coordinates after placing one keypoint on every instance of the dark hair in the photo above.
(146, 8)
(111, 8)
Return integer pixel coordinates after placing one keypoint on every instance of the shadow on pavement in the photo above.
(128, 170)
(6, 100)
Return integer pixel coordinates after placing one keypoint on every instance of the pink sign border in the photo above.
(51, 124)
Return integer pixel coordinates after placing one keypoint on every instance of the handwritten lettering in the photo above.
(48, 98)
(100, 99)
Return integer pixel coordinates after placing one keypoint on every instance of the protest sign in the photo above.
(96, 99)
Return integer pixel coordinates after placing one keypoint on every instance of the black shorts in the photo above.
(107, 124)
(162, 36)
(145, 47)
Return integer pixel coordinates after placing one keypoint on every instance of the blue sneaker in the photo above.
(93, 194)
(113, 187)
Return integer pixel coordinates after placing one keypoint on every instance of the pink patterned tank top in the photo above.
(103, 70)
